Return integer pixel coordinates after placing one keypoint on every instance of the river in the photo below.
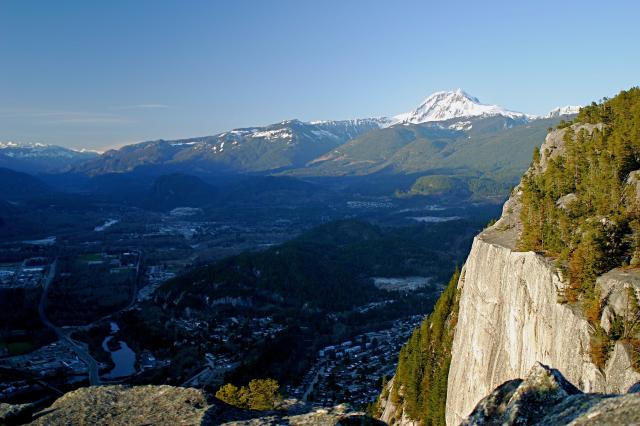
(124, 359)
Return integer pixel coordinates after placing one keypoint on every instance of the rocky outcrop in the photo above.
(119, 405)
(545, 397)
(169, 405)
(633, 185)
(511, 315)
(391, 413)
(617, 291)
(15, 414)
(554, 145)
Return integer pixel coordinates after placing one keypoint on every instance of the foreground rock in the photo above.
(545, 397)
(15, 414)
(339, 416)
(119, 405)
(169, 405)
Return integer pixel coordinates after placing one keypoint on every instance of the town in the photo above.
(352, 371)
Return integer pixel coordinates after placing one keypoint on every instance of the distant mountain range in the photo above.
(37, 157)
(487, 144)
(449, 133)
(285, 145)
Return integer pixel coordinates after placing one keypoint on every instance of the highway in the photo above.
(78, 348)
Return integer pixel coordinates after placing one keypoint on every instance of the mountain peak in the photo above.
(461, 93)
(565, 110)
(447, 105)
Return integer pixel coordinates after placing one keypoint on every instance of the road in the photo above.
(194, 381)
(312, 383)
(136, 283)
(79, 349)
(209, 373)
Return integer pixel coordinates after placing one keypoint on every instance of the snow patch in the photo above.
(273, 134)
(184, 143)
(461, 125)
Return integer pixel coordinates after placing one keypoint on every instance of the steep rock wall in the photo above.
(509, 318)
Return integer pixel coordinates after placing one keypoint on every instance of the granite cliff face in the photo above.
(511, 315)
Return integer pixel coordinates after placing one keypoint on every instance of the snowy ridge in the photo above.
(41, 147)
(273, 134)
(377, 121)
(11, 144)
(565, 110)
(290, 130)
(32, 150)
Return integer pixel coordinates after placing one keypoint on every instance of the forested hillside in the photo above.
(305, 286)
(582, 208)
(420, 383)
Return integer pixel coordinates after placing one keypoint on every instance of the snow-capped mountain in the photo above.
(30, 150)
(443, 106)
(288, 144)
(291, 131)
(565, 110)
(38, 157)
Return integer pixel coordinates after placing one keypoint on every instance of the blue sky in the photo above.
(100, 74)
